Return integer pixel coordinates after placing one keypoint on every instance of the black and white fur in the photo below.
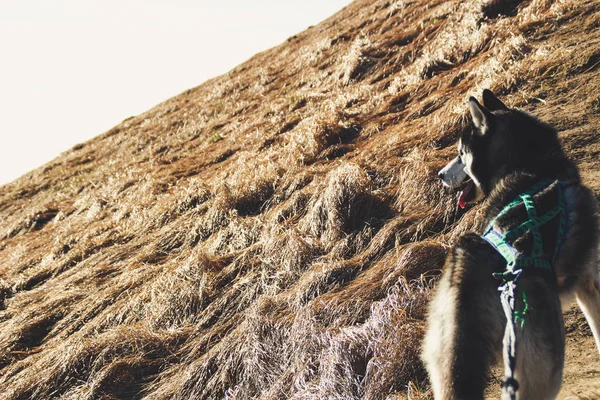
(506, 153)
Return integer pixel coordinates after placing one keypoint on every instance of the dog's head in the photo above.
(481, 160)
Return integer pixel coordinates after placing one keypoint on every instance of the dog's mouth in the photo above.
(466, 193)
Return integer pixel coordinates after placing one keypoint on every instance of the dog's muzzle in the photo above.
(455, 178)
(453, 175)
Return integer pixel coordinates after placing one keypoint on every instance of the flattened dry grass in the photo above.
(275, 232)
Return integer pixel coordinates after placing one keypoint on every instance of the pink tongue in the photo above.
(461, 197)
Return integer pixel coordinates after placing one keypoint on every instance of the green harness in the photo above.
(516, 262)
(503, 243)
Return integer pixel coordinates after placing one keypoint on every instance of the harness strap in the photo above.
(515, 262)
(502, 246)
(532, 191)
(538, 245)
(507, 298)
(532, 226)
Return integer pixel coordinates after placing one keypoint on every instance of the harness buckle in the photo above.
(509, 275)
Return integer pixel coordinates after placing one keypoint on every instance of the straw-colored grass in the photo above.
(275, 232)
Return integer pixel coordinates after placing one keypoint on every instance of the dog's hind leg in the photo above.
(588, 296)
(465, 322)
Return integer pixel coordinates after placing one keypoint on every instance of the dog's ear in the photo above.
(482, 117)
(491, 102)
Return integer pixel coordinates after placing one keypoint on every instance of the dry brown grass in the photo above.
(278, 228)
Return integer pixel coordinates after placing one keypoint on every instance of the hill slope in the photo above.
(277, 229)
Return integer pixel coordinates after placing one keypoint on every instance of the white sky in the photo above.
(70, 70)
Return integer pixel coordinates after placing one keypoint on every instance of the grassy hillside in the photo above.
(274, 233)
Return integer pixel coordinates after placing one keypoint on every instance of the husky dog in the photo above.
(506, 153)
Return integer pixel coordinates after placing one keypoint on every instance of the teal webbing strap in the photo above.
(531, 225)
(538, 262)
(502, 243)
(538, 245)
(533, 190)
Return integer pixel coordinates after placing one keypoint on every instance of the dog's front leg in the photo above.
(588, 296)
